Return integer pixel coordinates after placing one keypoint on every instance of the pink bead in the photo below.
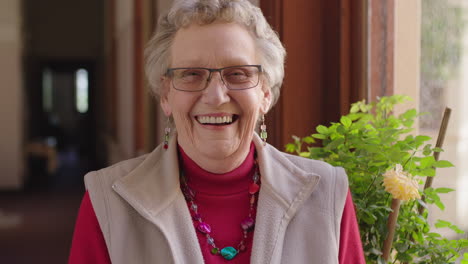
(196, 217)
(263, 127)
(253, 188)
(242, 247)
(247, 223)
(188, 193)
(204, 228)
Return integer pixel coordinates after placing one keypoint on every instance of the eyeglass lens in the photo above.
(196, 79)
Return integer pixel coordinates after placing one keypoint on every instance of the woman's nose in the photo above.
(216, 92)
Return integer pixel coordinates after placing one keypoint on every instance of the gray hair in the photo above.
(186, 12)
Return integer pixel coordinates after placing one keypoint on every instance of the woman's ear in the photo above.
(266, 99)
(164, 97)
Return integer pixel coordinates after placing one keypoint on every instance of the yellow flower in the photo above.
(400, 184)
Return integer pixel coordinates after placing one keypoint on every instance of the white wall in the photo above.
(11, 119)
(407, 43)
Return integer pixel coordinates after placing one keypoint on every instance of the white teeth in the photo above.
(214, 120)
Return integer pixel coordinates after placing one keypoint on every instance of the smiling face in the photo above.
(215, 126)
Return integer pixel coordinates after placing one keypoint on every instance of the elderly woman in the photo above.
(215, 191)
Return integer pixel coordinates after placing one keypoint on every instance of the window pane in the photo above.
(47, 101)
(444, 65)
(81, 79)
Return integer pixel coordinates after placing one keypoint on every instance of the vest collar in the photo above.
(153, 190)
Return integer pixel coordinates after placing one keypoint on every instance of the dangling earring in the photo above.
(167, 131)
(263, 132)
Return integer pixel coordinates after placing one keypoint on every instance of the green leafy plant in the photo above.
(367, 142)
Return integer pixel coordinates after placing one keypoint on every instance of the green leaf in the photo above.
(404, 257)
(456, 229)
(290, 147)
(442, 224)
(335, 143)
(444, 190)
(345, 121)
(354, 116)
(369, 218)
(308, 140)
(354, 108)
(427, 162)
(322, 129)
(439, 204)
(412, 113)
(341, 129)
(401, 247)
(443, 164)
(427, 150)
(429, 172)
(315, 152)
(437, 150)
(465, 257)
(422, 138)
(319, 136)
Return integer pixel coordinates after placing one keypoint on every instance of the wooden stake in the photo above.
(439, 144)
(391, 226)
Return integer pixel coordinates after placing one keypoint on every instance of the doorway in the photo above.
(66, 128)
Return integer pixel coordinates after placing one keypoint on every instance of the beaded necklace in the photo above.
(247, 225)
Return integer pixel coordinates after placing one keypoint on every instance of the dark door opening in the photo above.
(67, 128)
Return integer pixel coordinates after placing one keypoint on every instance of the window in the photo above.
(47, 91)
(81, 96)
(444, 65)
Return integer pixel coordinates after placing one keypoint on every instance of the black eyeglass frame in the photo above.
(211, 70)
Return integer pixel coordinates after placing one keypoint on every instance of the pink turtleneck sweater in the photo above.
(223, 202)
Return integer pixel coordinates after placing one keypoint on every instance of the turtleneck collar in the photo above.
(202, 181)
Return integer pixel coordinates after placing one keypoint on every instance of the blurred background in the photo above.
(73, 96)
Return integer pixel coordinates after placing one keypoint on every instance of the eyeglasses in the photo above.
(197, 79)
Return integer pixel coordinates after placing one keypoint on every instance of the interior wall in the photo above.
(407, 51)
(123, 147)
(11, 92)
(63, 29)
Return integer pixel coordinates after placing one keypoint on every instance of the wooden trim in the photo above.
(345, 58)
(138, 78)
(272, 10)
(353, 77)
(151, 106)
(112, 70)
(381, 48)
(330, 63)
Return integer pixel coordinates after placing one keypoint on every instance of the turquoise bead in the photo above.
(228, 253)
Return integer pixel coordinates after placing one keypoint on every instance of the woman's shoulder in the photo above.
(321, 168)
(115, 171)
(103, 180)
(325, 170)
